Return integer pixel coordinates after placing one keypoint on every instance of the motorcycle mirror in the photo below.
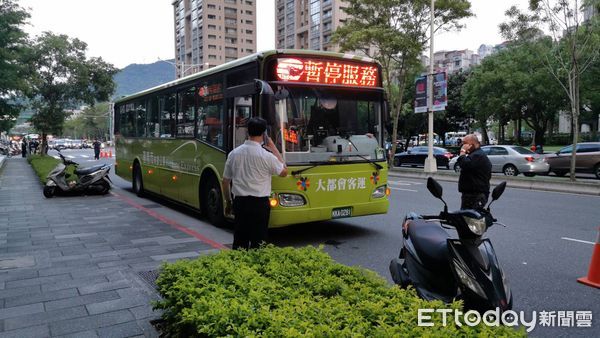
(498, 191)
(434, 188)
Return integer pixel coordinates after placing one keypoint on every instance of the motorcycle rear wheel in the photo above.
(49, 191)
(104, 187)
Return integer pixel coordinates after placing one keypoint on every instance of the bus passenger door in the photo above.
(240, 109)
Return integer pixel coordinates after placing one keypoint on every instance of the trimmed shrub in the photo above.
(288, 292)
(43, 165)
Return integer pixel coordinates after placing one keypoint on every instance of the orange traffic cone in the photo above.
(110, 153)
(593, 277)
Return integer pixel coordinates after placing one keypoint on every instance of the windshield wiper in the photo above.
(314, 164)
(377, 165)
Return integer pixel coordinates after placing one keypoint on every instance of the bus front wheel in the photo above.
(212, 202)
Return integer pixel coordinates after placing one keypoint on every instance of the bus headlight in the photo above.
(379, 192)
(291, 200)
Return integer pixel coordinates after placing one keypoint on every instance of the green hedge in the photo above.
(43, 165)
(287, 292)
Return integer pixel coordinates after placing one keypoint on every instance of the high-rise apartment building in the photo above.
(307, 24)
(212, 32)
(455, 61)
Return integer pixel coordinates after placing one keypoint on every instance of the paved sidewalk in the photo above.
(80, 266)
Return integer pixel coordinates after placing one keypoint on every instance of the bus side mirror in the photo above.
(266, 99)
(386, 111)
(262, 87)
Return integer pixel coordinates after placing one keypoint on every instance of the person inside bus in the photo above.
(248, 170)
(323, 119)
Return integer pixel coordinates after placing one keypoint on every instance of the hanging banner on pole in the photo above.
(440, 91)
(421, 94)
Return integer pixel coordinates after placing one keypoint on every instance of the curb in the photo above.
(539, 183)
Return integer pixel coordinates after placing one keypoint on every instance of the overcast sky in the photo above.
(141, 31)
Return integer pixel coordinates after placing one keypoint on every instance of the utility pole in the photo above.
(111, 122)
(430, 162)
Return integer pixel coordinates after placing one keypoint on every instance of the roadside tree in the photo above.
(13, 47)
(575, 45)
(91, 123)
(63, 77)
(394, 32)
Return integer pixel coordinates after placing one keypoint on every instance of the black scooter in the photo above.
(440, 267)
(92, 180)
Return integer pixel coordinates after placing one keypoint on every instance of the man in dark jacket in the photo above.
(97, 146)
(24, 148)
(475, 174)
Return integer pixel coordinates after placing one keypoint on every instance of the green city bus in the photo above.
(325, 111)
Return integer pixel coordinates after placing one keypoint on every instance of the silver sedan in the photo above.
(511, 160)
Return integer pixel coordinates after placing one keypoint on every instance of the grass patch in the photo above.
(294, 292)
(43, 165)
(552, 149)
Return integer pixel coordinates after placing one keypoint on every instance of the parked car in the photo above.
(416, 156)
(512, 160)
(59, 144)
(587, 160)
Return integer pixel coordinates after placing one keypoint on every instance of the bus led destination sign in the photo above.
(333, 72)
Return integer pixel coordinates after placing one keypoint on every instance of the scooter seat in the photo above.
(429, 240)
(89, 170)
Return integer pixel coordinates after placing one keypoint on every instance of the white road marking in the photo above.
(392, 188)
(404, 182)
(576, 240)
(399, 183)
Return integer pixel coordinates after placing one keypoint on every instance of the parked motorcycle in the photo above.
(92, 180)
(441, 267)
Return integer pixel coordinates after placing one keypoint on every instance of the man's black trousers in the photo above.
(251, 221)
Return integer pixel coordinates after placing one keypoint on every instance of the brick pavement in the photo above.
(78, 266)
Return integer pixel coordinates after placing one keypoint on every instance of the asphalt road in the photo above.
(545, 247)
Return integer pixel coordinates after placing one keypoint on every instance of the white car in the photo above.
(511, 160)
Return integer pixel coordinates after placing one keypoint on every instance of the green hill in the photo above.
(137, 77)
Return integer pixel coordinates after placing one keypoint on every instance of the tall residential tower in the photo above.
(307, 24)
(212, 32)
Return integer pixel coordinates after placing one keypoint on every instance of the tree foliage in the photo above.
(394, 32)
(63, 77)
(575, 46)
(91, 123)
(13, 42)
(513, 85)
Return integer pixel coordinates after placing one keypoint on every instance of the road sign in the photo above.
(421, 94)
(440, 93)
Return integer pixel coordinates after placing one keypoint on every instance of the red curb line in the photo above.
(171, 222)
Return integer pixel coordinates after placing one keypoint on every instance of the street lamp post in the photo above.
(430, 162)
(184, 67)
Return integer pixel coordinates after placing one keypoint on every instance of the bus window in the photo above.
(243, 111)
(167, 115)
(210, 123)
(119, 113)
(153, 120)
(186, 113)
(140, 118)
(127, 123)
(316, 123)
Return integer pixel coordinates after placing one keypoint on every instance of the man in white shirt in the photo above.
(248, 170)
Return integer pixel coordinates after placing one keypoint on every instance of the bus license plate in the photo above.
(341, 212)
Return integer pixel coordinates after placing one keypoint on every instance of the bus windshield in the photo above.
(322, 124)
